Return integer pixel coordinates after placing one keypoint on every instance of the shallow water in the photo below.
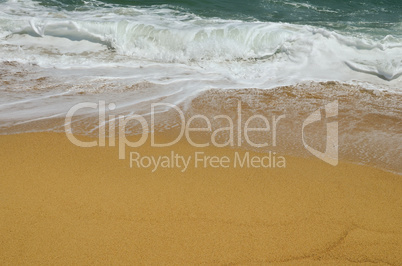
(55, 54)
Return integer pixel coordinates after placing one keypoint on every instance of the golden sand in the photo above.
(61, 204)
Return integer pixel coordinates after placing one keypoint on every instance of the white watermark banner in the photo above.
(237, 132)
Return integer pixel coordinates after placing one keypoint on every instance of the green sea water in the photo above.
(335, 14)
(137, 52)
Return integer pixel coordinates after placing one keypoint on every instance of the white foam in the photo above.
(181, 51)
(256, 52)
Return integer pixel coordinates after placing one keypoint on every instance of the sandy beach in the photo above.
(277, 125)
(62, 204)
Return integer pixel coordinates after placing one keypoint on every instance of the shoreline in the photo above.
(369, 123)
(200, 132)
(66, 204)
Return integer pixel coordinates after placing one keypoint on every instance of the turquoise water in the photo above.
(54, 54)
(368, 15)
(257, 43)
(260, 43)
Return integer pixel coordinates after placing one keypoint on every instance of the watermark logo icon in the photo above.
(331, 151)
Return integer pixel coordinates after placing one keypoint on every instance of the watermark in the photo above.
(331, 148)
(237, 132)
(175, 160)
(186, 128)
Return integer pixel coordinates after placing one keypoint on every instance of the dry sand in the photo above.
(61, 204)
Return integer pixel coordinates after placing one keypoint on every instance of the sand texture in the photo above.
(61, 204)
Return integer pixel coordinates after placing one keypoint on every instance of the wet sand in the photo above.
(69, 205)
